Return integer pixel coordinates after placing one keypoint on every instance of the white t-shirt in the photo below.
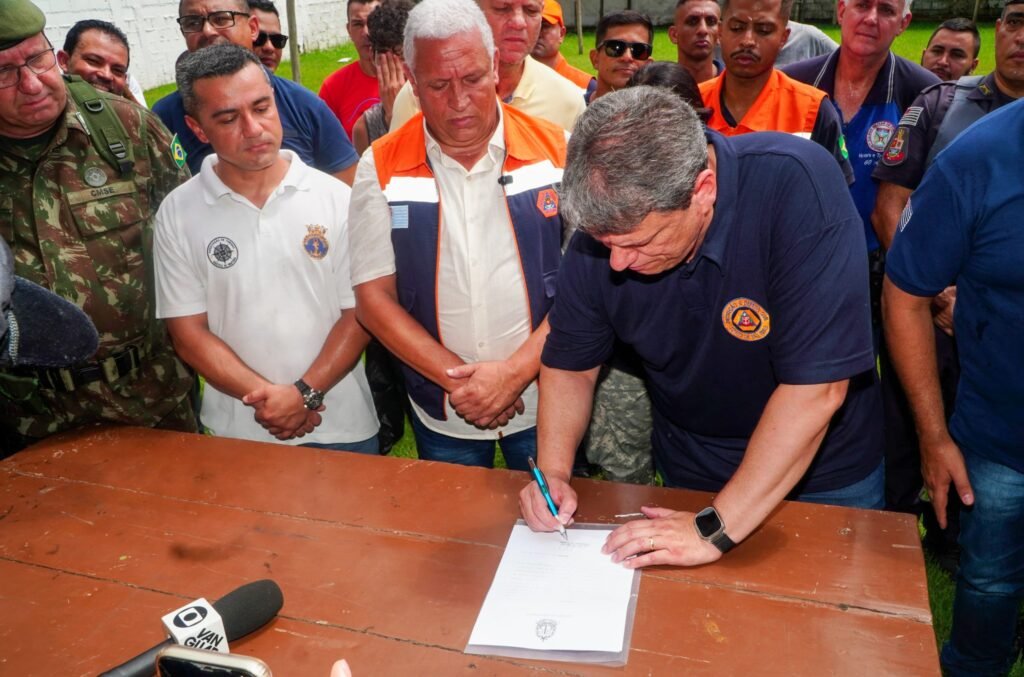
(482, 308)
(273, 283)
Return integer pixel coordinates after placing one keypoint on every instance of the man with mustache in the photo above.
(252, 271)
(952, 50)
(751, 95)
(98, 52)
(624, 43)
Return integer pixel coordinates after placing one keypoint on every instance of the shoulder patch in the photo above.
(746, 319)
(896, 151)
(178, 153)
(547, 202)
(911, 116)
(877, 137)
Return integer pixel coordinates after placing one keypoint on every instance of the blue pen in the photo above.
(546, 493)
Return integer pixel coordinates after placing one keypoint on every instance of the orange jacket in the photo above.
(784, 105)
(579, 78)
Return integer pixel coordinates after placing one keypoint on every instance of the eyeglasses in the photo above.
(193, 23)
(37, 63)
(276, 39)
(641, 51)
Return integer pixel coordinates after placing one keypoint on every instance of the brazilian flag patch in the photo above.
(178, 152)
(842, 146)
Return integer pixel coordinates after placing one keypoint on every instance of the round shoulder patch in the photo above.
(878, 135)
(746, 319)
(222, 252)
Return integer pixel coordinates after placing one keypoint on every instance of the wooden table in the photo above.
(386, 561)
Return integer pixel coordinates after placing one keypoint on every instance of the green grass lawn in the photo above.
(316, 66)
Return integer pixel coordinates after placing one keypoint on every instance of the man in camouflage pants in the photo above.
(80, 183)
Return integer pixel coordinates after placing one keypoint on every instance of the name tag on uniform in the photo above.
(399, 216)
(100, 192)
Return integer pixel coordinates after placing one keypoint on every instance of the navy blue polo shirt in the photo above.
(777, 293)
(310, 128)
(963, 224)
(867, 133)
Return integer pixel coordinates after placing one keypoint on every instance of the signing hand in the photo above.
(942, 463)
(666, 537)
(535, 509)
(489, 393)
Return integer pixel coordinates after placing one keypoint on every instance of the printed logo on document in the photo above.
(546, 628)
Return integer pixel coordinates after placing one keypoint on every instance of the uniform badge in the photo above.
(746, 319)
(896, 151)
(547, 202)
(842, 146)
(878, 135)
(222, 252)
(546, 628)
(178, 152)
(95, 176)
(315, 243)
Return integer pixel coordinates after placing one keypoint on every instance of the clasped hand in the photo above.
(488, 394)
(279, 408)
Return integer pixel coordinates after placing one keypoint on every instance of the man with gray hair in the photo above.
(252, 270)
(523, 82)
(735, 268)
(456, 241)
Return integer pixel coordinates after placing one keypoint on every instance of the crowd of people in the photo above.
(775, 268)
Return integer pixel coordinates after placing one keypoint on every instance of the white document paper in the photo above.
(550, 595)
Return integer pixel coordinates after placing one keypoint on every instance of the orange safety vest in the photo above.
(578, 77)
(784, 105)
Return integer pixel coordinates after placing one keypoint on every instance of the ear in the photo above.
(974, 64)
(62, 59)
(593, 58)
(840, 11)
(254, 29)
(193, 124)
(705, 189)
(673, 34)
(494, 61)
(411, 79)
(905, 22)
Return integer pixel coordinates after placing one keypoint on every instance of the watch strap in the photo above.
(722, 542)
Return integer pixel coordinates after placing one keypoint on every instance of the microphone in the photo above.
(504, 179)
(243, 611)
(37, 327)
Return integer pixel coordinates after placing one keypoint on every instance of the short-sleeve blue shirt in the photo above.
(965, 224)
(310, 128)
(867, 133)
(777, 293)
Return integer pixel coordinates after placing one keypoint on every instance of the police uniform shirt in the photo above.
(310, 128)
(897, 85)
(777, 293)
(964, 223)
(904, 161)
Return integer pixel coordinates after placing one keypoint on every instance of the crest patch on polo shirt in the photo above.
(547, 202)
(878, 135)
(222, 252)
(745, 319)
(315, 243)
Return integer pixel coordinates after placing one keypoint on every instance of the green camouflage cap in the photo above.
(19, 19)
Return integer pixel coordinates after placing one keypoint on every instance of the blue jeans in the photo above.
(367, 446)
(433, 446)
(867, 493)
(990, 583)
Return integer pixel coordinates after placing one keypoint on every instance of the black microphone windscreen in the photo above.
(249, 607)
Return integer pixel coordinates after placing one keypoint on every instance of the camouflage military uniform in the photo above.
(80, 228)
(619, 436)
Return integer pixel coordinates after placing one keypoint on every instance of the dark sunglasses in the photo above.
(276, 39)
(641, 51)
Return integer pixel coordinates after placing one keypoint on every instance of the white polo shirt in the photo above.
(272, 281)
(482, 307)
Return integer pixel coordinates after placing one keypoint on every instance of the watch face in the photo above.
(708, 522)
(314, 399)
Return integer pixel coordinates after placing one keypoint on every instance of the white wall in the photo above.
(154, 37)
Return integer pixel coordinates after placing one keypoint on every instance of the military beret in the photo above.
(19, 19)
